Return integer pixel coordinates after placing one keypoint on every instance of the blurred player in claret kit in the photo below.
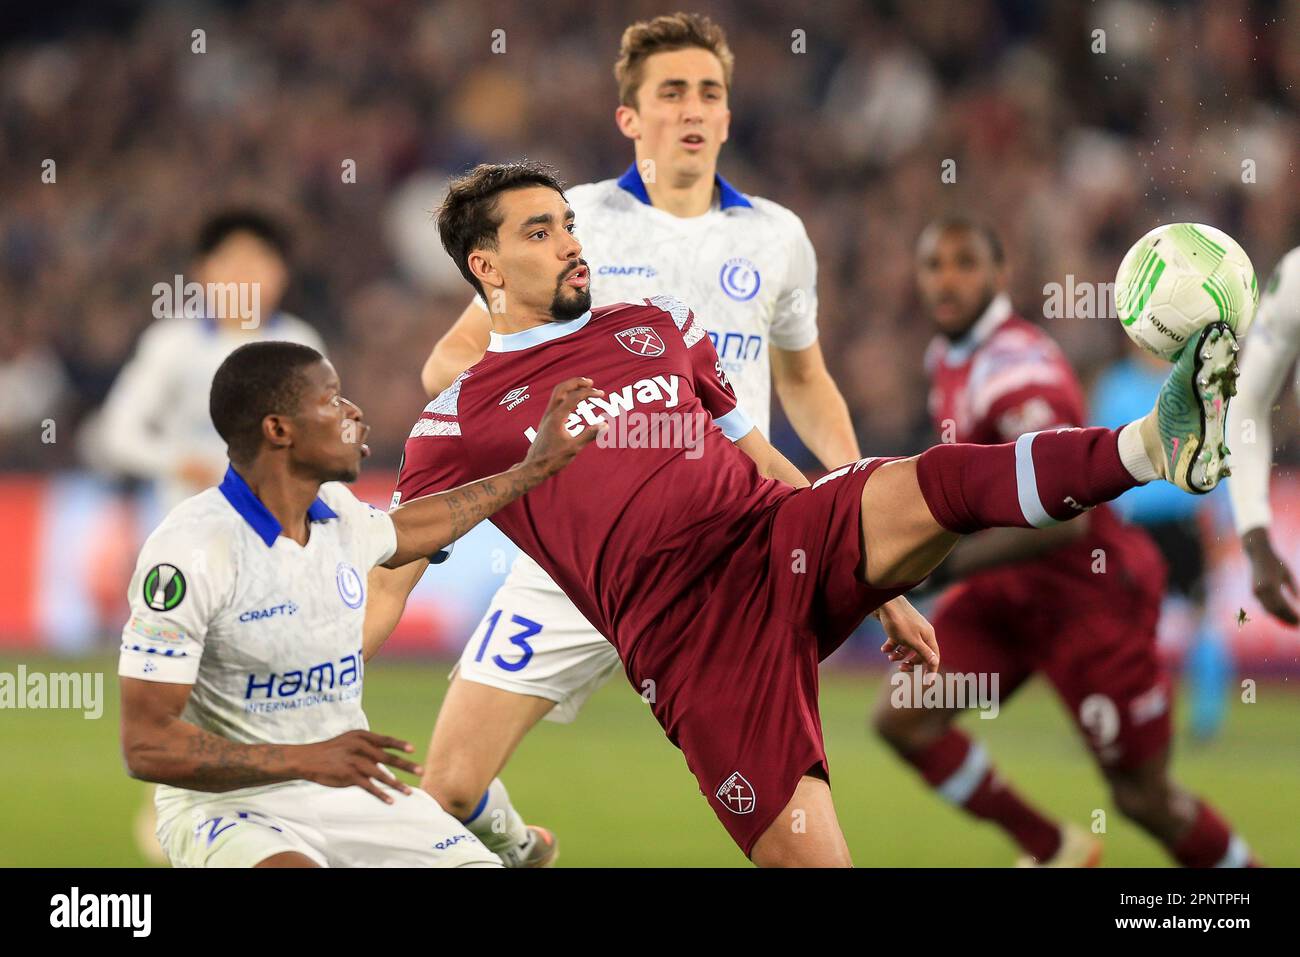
(1078, 601)
(747, 263)
(1270, 353)
(241, 666)
(721, 586)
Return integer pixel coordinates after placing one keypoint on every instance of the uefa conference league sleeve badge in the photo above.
(164, 587)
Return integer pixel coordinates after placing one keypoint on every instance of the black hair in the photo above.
(468, 217)
(254, 381)
(219, 227)
(973, 224)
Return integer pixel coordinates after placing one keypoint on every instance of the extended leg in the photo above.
(913, 509)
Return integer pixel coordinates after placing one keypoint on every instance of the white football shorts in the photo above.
(533, 641)
(335, 827)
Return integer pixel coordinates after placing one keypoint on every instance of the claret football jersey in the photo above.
(629, 528)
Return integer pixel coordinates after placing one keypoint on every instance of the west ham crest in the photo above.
(641, 341)
(737, 794)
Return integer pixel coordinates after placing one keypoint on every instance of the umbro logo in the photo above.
(514, 397)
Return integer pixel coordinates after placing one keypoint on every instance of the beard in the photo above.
(569, 302)
(972, 317)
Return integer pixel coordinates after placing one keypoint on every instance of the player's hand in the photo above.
(358, 758)
(1269, 575)
(554, 447)
(909, 636)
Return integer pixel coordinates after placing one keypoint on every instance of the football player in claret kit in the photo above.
(241, 666)
(669, 224)
(1078, 602)
(721, 586)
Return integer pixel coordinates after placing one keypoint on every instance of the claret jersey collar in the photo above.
(728, 195)
(251, 509)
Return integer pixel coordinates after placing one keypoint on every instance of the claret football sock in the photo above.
(495, 822)
(1209, 842)
(1040, 479)
(959, 771)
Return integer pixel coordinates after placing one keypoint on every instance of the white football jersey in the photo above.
(268, 632)
(746, 268)
(156, 414)
(1268, 354)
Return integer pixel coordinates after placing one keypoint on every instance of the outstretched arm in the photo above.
(429, 524)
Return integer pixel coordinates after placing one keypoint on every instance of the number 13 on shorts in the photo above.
(516, 632)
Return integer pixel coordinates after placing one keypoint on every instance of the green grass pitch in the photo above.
(617, 794)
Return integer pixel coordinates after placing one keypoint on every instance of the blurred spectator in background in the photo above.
(1122, 392)
(155, 424)
(1076, 127)
(349, 115)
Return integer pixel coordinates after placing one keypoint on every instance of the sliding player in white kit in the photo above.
(241, 666)
(669, 224)
(154, 423)
(1270, 351)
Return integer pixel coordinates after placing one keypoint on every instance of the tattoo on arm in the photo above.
(471, 504)
(213, 763)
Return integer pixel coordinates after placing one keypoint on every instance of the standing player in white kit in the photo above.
(669, 224)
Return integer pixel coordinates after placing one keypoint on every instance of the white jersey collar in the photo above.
(516, 341)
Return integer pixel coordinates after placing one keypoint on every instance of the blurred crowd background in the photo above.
(1073, 154)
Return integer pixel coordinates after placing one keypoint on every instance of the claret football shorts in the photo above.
(734, 680)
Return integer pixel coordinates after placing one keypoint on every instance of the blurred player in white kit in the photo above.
(1270, 352)
(154, 424)
(669, 225)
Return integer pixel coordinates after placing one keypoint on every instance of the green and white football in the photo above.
(1179, 278)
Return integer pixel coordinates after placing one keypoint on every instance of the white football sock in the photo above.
(1133, 453)
(495, 821)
